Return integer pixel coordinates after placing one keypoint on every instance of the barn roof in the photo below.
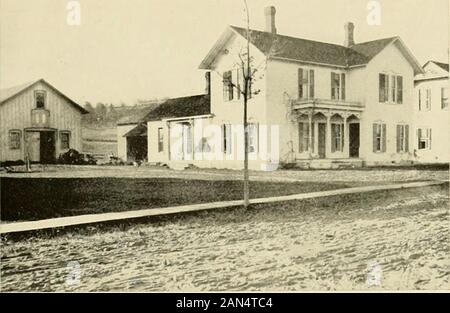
(181, 107)
(12, 92)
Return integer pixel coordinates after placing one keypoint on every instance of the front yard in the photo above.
(333, 243)
(41, 198)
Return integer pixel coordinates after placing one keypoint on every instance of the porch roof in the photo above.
(138, 131)
(330, 105)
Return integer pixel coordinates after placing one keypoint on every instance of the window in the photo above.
(428, 100)
(228, 89)
(303, 135)
(39, 97)
(379, 137)
(14, 139)
(392, 94)
(64, 138)
(383, 88)
(305, 84)
(226, 138)
(444, 98)
(424, 138)
(402, 138)
(160, 139)
(337, 86)
(252, 137)
(337, 137)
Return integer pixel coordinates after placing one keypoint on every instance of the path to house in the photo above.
(106, 217)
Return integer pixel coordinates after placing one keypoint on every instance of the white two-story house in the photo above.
(313, 104)
(431, 118)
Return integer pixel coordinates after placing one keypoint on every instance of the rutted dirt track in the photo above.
(322, 244)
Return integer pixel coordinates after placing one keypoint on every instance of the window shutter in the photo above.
(333, 96)
(374, 137)
(419, 134)
(399, 143)
(407, 138)
(300, 83)
(343, 86)
(399, 89)
(311, 84)
(382, 85)
(429, 138)
(224, 140)
(383, 136)
(420, 100)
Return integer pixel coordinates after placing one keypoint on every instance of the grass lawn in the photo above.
(40, 198)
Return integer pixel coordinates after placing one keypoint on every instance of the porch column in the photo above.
(168, 141)
(310, 137)
(328, 137)
(192, 139)
(346, 147)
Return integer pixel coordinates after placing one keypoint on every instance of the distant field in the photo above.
(100, 140)
(99, 134)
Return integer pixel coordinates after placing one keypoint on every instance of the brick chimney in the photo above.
(270, 19)
(208, 83)
(349, 34)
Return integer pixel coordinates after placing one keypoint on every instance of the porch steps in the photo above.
(329, 163)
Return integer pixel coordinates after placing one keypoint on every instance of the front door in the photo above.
(322, 137)
(354, 140)
(47, 147)
(187, 142)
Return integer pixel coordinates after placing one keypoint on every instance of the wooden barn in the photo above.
(38, 122)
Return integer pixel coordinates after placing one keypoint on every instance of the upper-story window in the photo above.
(305, 83)
(390, 88)
(337, 86)
(444, 98)
(39, 98)
(228, 90)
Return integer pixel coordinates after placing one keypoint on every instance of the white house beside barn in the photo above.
(313, 104)
(38, 122)
(432, 123)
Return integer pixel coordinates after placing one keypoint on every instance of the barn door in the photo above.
(32, 146)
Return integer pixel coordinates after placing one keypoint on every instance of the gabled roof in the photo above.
(12, 92)
(309, 51)
(444, 66)
(135, 115)
(181, 107)
(139, 131)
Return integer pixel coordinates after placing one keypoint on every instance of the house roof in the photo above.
(135, 115)
(139, 131)
(310, 51)
(12, 92)
(181, 107)
(444, 66)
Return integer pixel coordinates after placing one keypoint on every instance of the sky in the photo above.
(125, 50)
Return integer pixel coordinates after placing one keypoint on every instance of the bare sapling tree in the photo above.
(246, 91)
